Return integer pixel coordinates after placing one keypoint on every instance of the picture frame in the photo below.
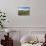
(23, 10)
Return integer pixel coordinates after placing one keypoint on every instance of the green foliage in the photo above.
(23, 13)
(2, 18)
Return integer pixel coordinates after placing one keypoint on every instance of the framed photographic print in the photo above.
(23, 11)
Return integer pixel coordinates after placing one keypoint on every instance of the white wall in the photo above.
(37, 19)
